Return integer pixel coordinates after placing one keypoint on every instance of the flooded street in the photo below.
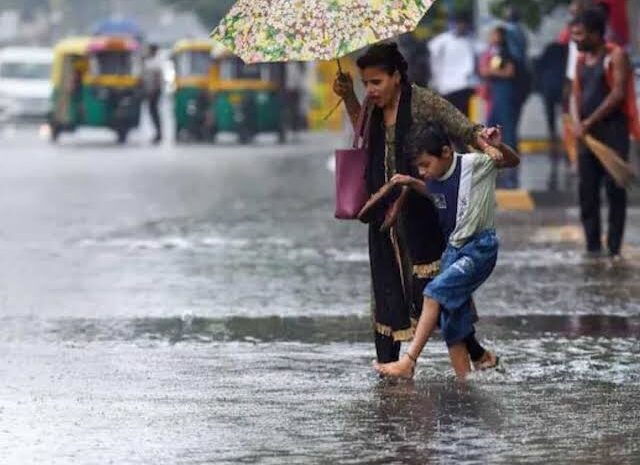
(199, 304)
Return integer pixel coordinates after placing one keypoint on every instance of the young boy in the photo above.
(463, 187)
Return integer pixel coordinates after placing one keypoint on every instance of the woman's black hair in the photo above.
(386, 56)
(429, 138)
(502, 31)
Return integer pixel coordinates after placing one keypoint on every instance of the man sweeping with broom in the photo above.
(605, 115)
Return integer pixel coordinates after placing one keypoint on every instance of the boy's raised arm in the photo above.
(404, 180)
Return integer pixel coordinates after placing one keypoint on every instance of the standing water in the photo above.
(191, 305)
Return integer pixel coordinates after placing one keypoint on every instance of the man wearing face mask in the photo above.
(603, 105)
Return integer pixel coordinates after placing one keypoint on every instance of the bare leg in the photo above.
(403, 368)
(460, 360)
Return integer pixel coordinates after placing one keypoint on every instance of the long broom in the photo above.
(620, 170)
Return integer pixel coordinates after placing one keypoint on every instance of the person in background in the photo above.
(549, 70)
(295, 81)
(453, 63)
(499, 72)
(153, 81)
(518, 45)
(575, 8)
(80, 67)
(416, 51)
(603, 104)
(516, 37)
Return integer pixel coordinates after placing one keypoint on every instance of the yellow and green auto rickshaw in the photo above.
(193, 66)
(97, 81)
(246, 99)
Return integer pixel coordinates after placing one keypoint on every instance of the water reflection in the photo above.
(312, 330)
(417, 422)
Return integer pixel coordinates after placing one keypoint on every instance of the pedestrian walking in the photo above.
(518, 45)
(453, 63)
(153, 82)
(404, 256)
(295, 86)
(550, 69)
(499, 72)
(603, 106)
(464, 187)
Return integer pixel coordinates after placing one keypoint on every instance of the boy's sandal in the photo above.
(489, 364)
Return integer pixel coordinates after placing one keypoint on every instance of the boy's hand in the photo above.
(490, 140)
(402, 180)
(393, 212)
(492, 135)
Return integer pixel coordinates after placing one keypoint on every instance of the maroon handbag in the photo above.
(351, 167)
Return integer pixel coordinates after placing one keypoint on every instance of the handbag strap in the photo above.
(360, 137)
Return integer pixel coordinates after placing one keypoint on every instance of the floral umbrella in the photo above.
(304, 30)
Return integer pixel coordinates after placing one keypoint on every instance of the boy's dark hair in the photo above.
(387, 57)
(429, 138)
(593, 20)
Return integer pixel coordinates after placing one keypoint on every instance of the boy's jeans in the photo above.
(463, 270)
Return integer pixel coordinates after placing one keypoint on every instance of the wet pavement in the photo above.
(197, 304)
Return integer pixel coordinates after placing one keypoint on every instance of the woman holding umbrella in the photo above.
(261, 31)
(406, 256)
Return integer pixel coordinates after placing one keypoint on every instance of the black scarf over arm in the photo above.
(425, 240)
(420, 240)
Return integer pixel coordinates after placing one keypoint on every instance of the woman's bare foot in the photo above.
(403, 368)
(489, 360)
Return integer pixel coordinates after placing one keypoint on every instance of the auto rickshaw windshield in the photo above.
(115, 62)
(193, 64)
(234, 68)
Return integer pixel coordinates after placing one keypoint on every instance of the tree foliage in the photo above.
(531, 11)
(210, 12)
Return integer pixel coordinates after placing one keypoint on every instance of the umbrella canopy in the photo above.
(304, 30)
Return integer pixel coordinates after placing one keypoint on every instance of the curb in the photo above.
(527, 201)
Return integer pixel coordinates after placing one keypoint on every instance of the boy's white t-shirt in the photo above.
(476, 204)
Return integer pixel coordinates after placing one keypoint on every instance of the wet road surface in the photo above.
(191, 305)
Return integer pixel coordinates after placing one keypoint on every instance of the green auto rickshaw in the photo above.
(246, 99)
(97, 81)
(193, 73)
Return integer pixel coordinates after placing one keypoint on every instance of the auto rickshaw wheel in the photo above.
(212, 136)
(245, 135)
(282, 136)
(179, 135)
(122, 135)
(54, 132)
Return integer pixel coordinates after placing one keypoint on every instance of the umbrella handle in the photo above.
(333, 110)
(339, 66)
